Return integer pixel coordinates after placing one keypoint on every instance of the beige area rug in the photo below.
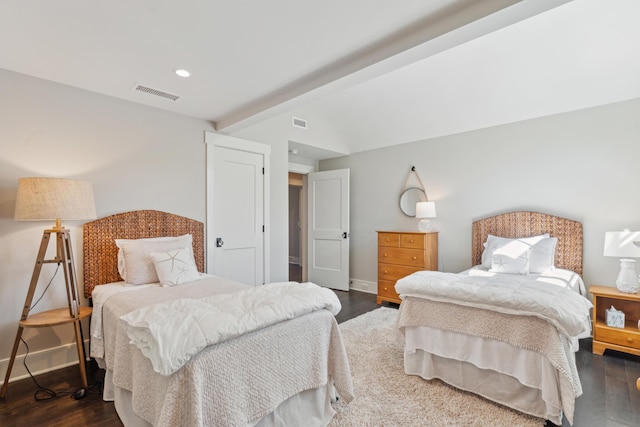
(385, 396)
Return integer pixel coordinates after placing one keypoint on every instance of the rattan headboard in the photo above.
(524, 224)
(100, 253)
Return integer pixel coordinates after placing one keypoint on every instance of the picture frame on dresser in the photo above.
(401, 253)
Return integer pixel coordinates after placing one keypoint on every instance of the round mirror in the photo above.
(409, 198)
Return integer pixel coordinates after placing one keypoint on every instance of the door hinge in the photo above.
(262, 171)
(263, 228)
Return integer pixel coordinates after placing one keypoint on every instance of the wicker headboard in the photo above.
(100, 252)
(524, 224)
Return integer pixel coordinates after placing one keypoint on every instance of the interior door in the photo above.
(236, 214)
(328, 202)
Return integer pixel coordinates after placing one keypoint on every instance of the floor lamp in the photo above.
(40, 199)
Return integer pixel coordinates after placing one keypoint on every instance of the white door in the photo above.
(236, 212)
(328, 200)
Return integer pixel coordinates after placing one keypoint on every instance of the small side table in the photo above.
(49, 318)
(625, 339)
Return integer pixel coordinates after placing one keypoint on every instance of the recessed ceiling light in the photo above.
(183, 73)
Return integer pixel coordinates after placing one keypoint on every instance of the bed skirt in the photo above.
(517, 378)
(314, 406)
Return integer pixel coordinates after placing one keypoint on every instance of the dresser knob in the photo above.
(415, 258)
(411, 241)
(386, 255)
(385, 289)
(386, 272)
(629, 339)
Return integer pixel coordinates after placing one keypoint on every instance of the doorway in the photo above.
(296, 184)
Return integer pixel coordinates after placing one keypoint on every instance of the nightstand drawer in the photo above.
(387, 289)
(389, 239)
(394, 272)
(624, 337)
(401, 256)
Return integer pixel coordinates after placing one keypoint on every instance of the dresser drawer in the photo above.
(387, 289)
(401, 256)
(624, 337)
(394, 272)
(389, 239)
(414, 241)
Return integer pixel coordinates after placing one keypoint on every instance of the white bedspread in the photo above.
(510, 294)
(171, 333)
(235, 382)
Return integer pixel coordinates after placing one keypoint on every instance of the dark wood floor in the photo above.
(609, 382)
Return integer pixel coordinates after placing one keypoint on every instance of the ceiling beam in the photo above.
(449, 28)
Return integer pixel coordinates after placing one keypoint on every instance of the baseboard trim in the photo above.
(41, 361)
(363, 286)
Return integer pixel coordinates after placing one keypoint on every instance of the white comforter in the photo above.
(567, 310)
(171, 333)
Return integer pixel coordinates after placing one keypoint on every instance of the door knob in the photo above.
(219, 242)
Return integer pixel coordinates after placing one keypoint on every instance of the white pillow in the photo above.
(494, 242)
(504, 263)
(137, 263)
(543, 255)
(122, 268)
(175, 267)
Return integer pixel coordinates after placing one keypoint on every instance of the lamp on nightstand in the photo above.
(425, 210)
(53, 199)
(625, 245)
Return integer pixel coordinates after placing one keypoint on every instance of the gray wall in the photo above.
(136, 157)
(582, 165)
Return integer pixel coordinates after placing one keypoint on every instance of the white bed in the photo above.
(509, 337)
(284, 373)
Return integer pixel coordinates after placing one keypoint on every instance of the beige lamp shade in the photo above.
(425, 210)
(56, 199)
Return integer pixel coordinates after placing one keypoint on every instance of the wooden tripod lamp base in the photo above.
(73, 314)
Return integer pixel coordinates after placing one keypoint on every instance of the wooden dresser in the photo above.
(625, 339)
(401, 253)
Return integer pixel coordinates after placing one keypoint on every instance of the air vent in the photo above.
(299, 123)
(156, 92)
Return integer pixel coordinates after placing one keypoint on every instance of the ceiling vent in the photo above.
(155, 92)
(299, 123)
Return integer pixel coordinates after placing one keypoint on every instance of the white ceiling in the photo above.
(363, 74)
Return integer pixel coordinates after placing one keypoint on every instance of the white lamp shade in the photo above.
(425, 210)
(622, 244)
(54, 199)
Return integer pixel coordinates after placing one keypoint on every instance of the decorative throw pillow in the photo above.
(175, 267)
(495, 242)
(543, 255)
(122, 268)
(504, 263)
(138, 264)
